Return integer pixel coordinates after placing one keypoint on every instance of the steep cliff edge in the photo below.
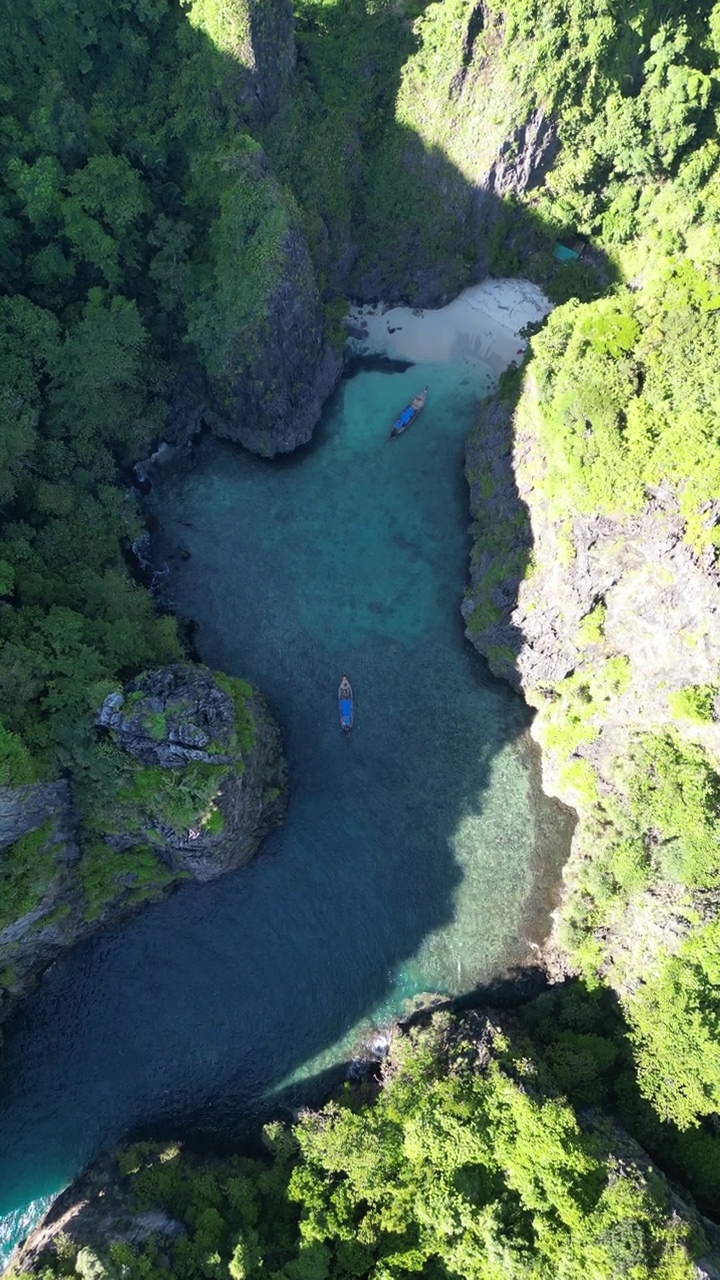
(461, 1158)
(595, 590)
(184, 781)
(261, 364)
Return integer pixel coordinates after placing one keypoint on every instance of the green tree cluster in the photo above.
(449, 1171)
(137, 228)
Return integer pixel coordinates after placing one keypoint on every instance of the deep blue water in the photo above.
(418, 854)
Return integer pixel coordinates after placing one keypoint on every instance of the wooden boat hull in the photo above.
(346, 704)
(409, 414)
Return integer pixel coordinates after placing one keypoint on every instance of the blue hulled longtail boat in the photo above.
(409, 414)
(345, 704)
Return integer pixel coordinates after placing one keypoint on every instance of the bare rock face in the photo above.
(39, 837)
(659, 597)
(270, 45)
(223, 783)
(95, 1212)
(172, 716)
(24, 809)
(524, 158)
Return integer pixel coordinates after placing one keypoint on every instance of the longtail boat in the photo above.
(409, 414)
(345, 704)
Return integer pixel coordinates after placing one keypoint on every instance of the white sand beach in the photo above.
(481, 326)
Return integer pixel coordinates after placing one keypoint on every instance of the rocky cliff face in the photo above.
(268, 50)
(187, 779)
(432, 229)
(609, 627)
(276, 396)
(97, 1211)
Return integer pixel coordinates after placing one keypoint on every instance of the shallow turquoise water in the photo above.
(418, 853)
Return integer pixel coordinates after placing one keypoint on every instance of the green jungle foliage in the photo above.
(627, 389)
(240, 692)
(26, 871)
(656, 852)
(137, 875)
(449, 1171)
(144, 796)
(126, 187)
(140, 231)
(622, 396)
(579, 1033)
(693, 703)
(124, 176)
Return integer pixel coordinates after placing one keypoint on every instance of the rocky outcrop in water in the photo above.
(97, 1211)
(187, 778)
(222, 785)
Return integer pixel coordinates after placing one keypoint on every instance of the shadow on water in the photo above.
(196, 1012)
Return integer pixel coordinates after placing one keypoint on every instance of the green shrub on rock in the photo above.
(693, 703)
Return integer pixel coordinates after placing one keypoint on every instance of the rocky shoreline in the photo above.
(188, 777)
(557, 605)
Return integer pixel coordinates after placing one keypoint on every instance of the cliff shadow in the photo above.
(209, 1002)
(389, 216)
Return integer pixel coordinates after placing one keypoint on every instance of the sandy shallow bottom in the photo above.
(482, 325)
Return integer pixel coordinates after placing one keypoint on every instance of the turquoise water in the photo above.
(418, 854)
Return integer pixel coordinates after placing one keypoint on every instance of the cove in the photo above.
(418, 854)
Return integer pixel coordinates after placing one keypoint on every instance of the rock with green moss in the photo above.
(198, 768)
(258, 324)
(185, 779)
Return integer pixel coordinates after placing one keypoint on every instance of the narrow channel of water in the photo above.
(418, 853)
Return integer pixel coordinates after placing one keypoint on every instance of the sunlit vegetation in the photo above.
(141, 231)
(458, 1167)
(655, 852)
(621, 399)
(127, 189)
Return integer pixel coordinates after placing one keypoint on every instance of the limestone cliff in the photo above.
(184, 781)
(610, 627)
(400, 195)
(284, 371)
(258, 325)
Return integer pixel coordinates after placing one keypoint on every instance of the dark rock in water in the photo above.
(196, 781)
(182, 717)
(358, 331)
